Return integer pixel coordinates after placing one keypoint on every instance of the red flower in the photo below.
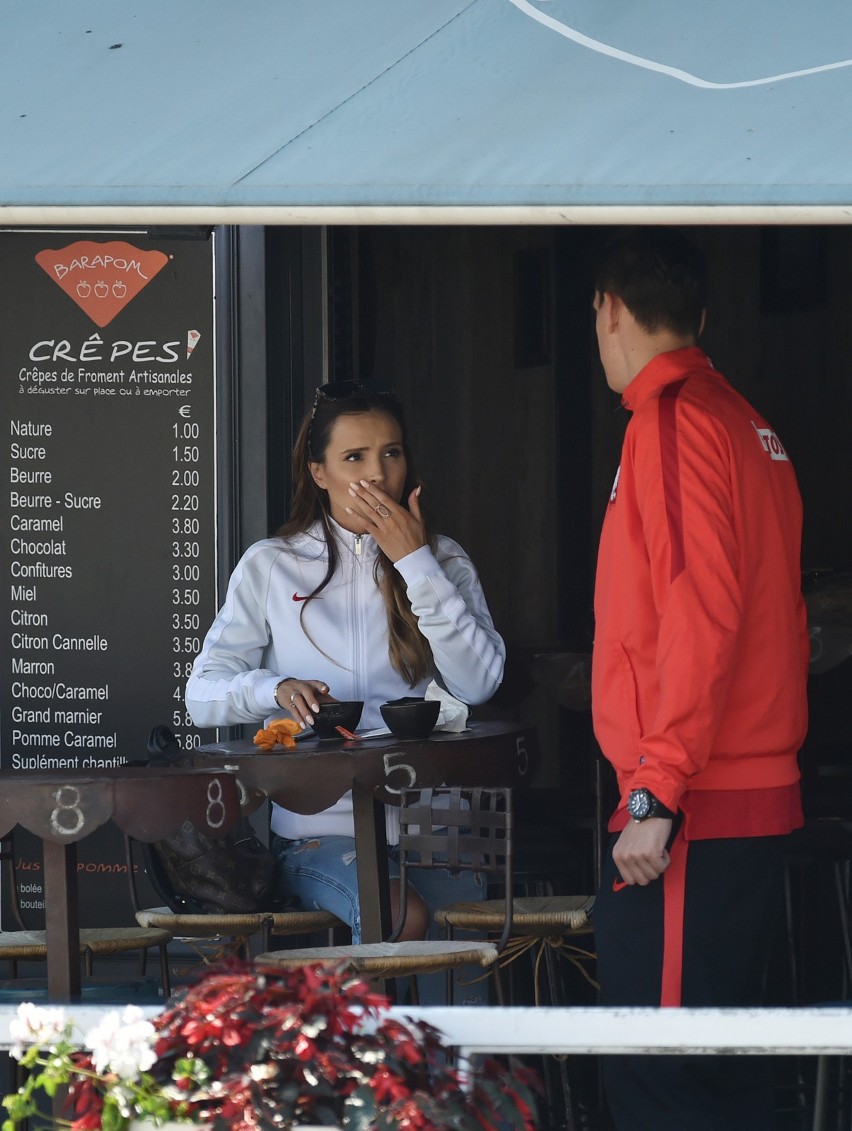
(91, 1121)
(386, 1086)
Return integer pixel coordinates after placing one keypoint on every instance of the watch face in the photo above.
(638, 804)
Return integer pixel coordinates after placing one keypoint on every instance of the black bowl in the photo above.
(410, 717)
(345, 713)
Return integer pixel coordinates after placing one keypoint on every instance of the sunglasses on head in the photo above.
(341, 391)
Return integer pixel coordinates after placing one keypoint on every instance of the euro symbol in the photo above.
(184, 410)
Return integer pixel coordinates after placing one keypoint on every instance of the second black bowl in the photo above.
(344, 713)
(411, 717)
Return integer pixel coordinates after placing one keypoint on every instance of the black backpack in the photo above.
(196, 874)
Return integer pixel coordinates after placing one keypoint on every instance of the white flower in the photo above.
(35, 1025)
(263, 1071)
(122, 1043)
(125, 1100)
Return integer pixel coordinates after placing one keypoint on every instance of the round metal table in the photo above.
(317, 773)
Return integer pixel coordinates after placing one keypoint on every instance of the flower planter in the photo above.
(317, 1025)
(176, 1125)
(169, 1125)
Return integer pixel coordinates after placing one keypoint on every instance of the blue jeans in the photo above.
(320, 873)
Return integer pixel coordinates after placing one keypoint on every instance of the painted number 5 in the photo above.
(409, 771)
(523, 756)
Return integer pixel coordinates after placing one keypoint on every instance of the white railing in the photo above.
(806, 1031)
(538, 1030)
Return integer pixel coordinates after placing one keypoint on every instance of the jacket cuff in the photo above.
(666, 791)
(417, 565)
(264, 691)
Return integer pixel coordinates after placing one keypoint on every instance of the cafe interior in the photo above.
(487, 336)
(416, 205)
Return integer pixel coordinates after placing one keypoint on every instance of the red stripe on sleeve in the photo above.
(671, 475)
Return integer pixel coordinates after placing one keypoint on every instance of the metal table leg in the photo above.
(371, 862)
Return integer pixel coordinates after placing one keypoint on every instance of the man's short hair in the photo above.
(659, 275)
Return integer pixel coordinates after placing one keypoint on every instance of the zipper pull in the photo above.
(357, 545)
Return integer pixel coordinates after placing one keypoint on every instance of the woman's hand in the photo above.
(300, 697)
(396, 530)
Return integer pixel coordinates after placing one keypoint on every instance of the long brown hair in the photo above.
(408, 650)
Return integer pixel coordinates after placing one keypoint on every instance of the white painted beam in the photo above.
(807, 1031)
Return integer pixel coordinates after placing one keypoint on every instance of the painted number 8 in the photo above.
(67, 818)
(215, 805)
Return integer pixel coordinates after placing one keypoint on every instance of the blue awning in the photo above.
(389, 110)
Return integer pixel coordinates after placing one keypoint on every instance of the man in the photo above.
(698, 687)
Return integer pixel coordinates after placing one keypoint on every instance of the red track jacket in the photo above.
(701, 647)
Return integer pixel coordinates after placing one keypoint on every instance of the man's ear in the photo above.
(318, 473)
(616, 311)
(612, 308)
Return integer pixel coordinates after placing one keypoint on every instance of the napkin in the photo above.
(453, 713)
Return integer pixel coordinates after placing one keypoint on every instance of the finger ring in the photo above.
(383, 510)
(293, 698)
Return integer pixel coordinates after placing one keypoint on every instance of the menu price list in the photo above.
(110, 502)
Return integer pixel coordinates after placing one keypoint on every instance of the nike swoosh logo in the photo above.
(296, 597)
(617, 885)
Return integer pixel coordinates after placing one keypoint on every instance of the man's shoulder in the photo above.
(704, 390)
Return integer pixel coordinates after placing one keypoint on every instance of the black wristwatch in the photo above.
(641, 804)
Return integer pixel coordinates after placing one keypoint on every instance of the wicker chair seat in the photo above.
(93, 941)
(212, 925)
(388, 959)
(537, 916)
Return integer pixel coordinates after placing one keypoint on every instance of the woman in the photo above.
(352, 599)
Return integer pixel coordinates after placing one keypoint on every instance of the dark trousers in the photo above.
(698, 936)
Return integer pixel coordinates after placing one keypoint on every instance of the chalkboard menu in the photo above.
(109, 551)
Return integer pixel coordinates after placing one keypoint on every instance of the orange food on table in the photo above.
(280, 732)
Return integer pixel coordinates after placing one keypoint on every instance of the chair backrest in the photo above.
(461, 829)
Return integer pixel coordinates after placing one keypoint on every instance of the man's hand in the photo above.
(640, 852)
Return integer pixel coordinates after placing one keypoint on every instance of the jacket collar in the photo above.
(662, 370)
(367, 548)
(312, 541)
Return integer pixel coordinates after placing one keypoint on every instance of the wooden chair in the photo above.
(550, 929)
(460, 829)
(23, 944)
(237, 929)
(544, 925)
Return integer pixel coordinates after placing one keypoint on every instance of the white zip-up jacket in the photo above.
(258, 639)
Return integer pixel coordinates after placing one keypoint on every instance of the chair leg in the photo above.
(790, 933)
(841, 884)
(414, 990)
(499, 992)
(558, 996)
(820, 1092)
(165, 977)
